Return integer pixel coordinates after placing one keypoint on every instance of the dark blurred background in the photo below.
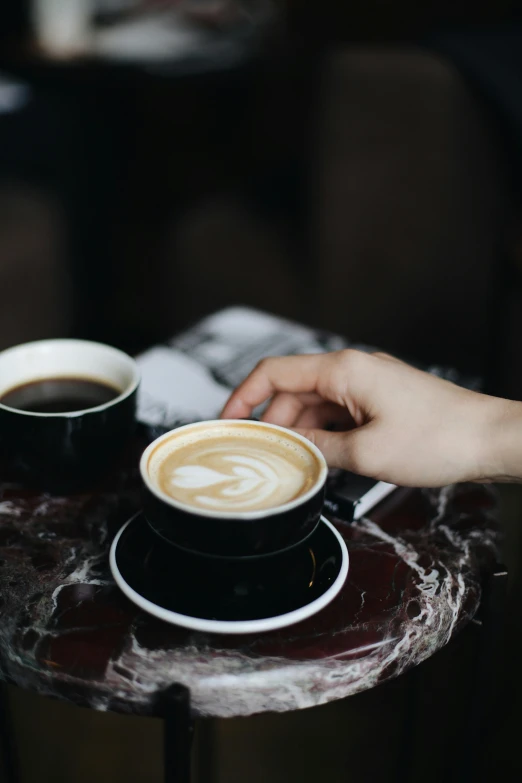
(356, 166)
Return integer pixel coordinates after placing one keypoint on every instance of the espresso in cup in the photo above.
(67, 409)
(233, 488)
(59, 395)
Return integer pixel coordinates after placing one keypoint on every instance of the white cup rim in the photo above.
(73, 343)
(247, 515)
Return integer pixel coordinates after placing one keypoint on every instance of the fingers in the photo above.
(339, 448)
(294, 374)
(306, 410)
(327, 415)
(339, 377)
(285, 408)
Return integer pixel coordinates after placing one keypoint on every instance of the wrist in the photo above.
(501, 441)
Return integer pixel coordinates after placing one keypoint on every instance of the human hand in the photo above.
(398, 424)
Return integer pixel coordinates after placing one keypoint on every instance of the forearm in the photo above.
(502, 442)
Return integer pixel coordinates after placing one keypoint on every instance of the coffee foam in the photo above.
(233, 468)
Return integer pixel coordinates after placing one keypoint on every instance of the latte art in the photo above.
(243, 483)
(237, 470)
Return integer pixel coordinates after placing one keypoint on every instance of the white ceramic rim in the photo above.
(60, 342)
(233, 626)
(260, 514)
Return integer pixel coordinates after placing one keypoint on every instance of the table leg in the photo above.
(8, 759)
(178, 729)
(484, 710)
(204, 754)
(405, 760)
(464, 761)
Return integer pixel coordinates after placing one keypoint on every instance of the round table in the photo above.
(416, 566)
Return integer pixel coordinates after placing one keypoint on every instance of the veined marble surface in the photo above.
(67, 631)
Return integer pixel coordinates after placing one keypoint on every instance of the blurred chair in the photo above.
(34, 290)
(405, 216)
(399, 242)
(33, 279)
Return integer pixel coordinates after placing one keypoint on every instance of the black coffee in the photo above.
(59, 395)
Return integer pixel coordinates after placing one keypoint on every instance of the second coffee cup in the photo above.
(233, 488)
(67, 411)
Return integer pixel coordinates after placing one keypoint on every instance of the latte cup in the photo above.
(63, 451)
(233, 488)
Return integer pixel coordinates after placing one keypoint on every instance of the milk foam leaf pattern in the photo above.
(196, 476)
(250, 482)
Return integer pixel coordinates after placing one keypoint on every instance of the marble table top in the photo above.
(66, 630)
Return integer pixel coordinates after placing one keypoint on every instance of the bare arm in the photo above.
(392, 422)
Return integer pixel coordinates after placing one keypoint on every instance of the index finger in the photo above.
(295, 374)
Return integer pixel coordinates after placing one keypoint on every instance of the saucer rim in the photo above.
(231, 627)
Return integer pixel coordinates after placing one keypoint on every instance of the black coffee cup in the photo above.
(225, 533)
(66, 449)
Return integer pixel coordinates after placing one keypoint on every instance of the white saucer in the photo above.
(181, 589)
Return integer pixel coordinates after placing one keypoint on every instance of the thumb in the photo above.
(338, 448)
